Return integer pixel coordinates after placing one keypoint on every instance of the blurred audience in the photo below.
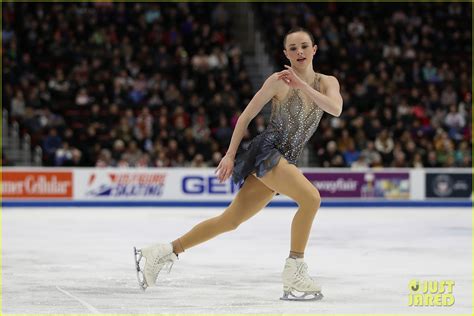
(162, 84)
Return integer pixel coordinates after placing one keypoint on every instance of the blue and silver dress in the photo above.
(293, 121)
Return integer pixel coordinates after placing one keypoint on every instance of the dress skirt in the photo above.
(260, 156)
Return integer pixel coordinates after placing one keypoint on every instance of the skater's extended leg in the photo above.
(250, 199)
(287, 179)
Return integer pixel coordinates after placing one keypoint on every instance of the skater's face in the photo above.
(299, 49)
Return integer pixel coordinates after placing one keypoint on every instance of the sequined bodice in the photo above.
(294, 120)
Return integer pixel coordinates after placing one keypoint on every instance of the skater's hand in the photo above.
(224, 169)
(290, 78)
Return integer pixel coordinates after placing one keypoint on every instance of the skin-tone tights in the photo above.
(254, 195)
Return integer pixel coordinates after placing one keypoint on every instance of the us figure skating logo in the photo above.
(125, 184)
(431, 293)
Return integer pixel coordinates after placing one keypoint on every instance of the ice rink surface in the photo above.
(80, 260)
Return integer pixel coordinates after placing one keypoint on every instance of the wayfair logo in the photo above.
(431, 293)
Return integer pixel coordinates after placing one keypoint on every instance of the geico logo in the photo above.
(209, 185)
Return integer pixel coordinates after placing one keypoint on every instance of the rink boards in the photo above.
(183, 187)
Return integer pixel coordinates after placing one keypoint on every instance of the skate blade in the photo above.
(289, 296)
(137, 255)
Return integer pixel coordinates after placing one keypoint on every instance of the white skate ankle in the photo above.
(296, 279)
(157, 257)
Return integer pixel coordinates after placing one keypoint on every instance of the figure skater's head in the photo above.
(299, 47)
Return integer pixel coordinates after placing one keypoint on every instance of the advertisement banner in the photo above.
(448, 185)
(382, 185)
(337, 185)
(166, 186)
(37, 185)
(160, 184)
(195, 184)
(119, 184)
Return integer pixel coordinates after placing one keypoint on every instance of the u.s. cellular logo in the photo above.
(125, 184)
(431, 293)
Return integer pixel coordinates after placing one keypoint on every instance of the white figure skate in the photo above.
(156, 258)
(296, 279)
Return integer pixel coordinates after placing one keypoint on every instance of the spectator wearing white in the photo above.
(18, 105)
(454, 119)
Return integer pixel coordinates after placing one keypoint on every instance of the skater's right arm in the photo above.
(269, 89)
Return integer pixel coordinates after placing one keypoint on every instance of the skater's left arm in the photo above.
(329, 99)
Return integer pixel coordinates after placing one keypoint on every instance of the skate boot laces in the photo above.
(302, 273)
(165, 262)
(302, 270)
(169, 262)
(303, 280)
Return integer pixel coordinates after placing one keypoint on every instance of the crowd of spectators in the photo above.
(124, 84)
(162, 84)
(405, 75)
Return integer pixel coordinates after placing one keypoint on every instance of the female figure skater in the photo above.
(299, 97)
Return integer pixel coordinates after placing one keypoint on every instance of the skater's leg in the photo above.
(250, 199)
(287, 179)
